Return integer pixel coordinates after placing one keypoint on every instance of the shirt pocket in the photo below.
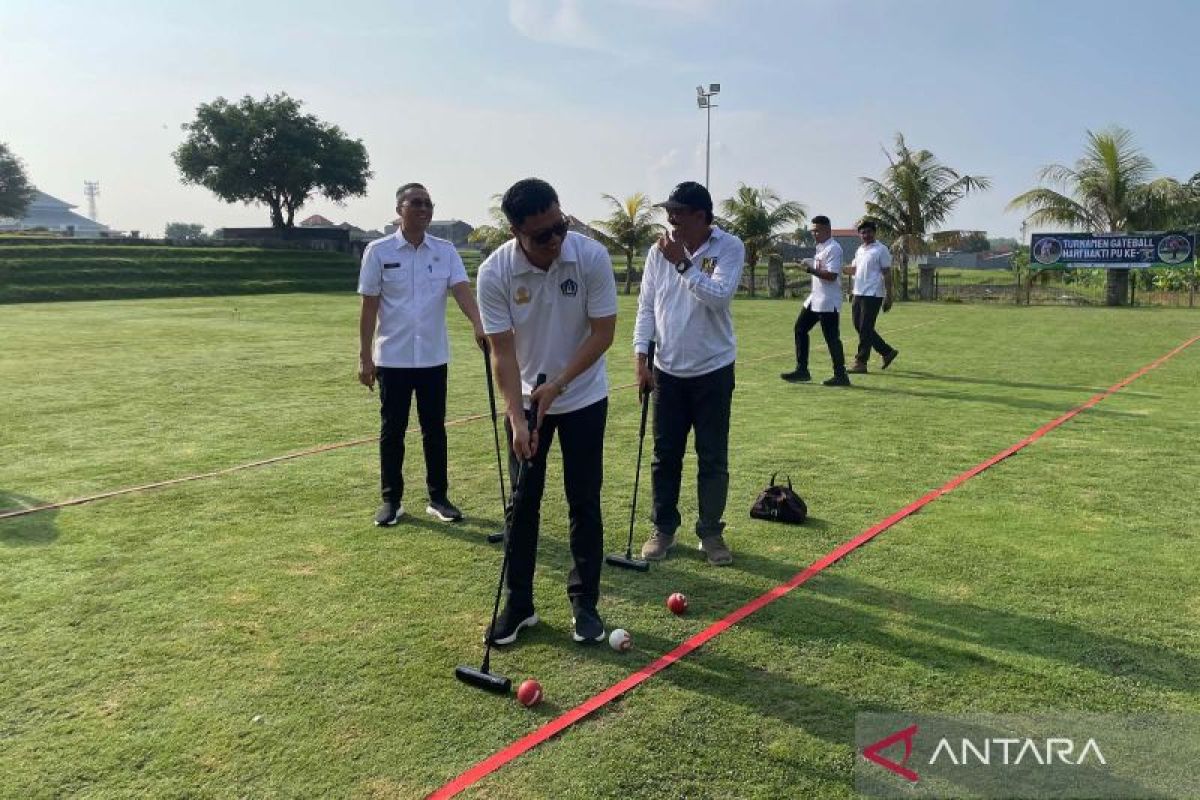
(437, 275)
(393, 273)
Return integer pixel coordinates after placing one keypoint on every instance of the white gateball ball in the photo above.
(620, 640)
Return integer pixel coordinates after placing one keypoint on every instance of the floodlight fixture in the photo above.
(700, 90)
(714, 88)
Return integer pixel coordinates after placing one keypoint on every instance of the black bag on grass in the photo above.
(779, 504)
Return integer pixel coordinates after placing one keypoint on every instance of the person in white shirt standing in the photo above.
(549, 301)
(872, 271)
(688, 284)
(404, 345)
(823, 305)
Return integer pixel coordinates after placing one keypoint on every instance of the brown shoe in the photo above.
(718, 553)
(656, 547)
(858, 368)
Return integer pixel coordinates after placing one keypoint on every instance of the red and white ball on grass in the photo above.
(620, 640)
(678, 603)
(529, 693)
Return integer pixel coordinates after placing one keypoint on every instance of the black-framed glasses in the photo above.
(544, 236)
(419, 202)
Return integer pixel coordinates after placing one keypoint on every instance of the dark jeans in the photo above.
(865, 310)
(581, 440)
(829, 329)
(681, 405)
(396, 387)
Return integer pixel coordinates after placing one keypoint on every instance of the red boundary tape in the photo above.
(494, 762)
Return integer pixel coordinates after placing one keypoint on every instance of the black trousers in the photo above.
(829, 329)
(681, 405)
(396, 388)
(865, 311)
(581, 441)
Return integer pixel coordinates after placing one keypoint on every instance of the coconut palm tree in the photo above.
(495, 233)
(1108, 190)
(630, 228)
(760, 219)
(915, 196)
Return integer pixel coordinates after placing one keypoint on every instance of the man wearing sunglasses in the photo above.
(689, 282)
(403, 344)
(549, 304)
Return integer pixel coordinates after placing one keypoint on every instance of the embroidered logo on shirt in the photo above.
(569, 288)
(708, 265)
(393, 265)
(522, 296)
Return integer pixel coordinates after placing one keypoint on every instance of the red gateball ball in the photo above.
(529, 693)
(678, 603)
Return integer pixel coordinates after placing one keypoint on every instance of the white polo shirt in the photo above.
(689, 315)
(411, 284)
(826, 296)
(870, 260)
(549, 312)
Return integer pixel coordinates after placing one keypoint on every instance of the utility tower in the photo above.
(91, 190)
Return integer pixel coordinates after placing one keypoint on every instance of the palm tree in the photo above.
(1108, 190)
(915, 196)
(494, 234)
(760, 218)
(630, 228)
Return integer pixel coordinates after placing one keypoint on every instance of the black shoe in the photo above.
(837, 380)
(888, 359)
(588, 626)
(796, 376)
(509, 624)
(388, 514)
(443, 510)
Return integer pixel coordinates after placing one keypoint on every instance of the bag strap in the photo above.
(789, 480)
(773, 476)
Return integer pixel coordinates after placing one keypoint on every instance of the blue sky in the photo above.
(597, 96)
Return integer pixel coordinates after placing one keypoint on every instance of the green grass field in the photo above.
(253, 635)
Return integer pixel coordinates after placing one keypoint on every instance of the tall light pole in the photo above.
(704, 99)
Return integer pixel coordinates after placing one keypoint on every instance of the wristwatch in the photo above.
(684, 265)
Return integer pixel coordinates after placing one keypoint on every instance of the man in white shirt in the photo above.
(823, 305)
(404, 344)
(872, 271)
(690, 279)
(549, 303)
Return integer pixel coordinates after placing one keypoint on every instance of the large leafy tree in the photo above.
(496, 232)
(16, 192)
(630, 228)
(760, 219)
(1109, 189)
(916, 195)
(267, 151)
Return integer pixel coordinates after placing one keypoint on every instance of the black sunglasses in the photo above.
(558, 229)
(419, 202)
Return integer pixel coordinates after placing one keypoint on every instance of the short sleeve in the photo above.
(493, 300)
(370, 274)
(458, 271)
(601, 284)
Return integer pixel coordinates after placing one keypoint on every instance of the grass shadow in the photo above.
(1011, 402)
(1058, 387)
(37, 529)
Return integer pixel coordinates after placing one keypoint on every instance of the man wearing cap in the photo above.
(872, 271)
(823, 305)
(549, 302)
(690, 278)
(403, 343)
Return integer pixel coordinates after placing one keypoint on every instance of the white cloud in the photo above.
(554, 22)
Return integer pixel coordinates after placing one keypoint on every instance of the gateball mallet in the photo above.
(484, 678)
(627, 561)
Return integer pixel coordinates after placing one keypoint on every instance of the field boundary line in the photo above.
(474, 774)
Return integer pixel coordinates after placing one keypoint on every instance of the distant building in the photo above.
(849, 240)
(579, 226)
(316, 221)
(51, 214)
(357, 234)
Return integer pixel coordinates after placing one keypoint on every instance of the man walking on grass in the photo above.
(872, 271)
(823, 305)
(404, 345)
(549, 301)
(689, 282)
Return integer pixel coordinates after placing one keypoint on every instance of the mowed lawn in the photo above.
(252, 635)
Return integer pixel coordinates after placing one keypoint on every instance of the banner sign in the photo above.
(1121, 250)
